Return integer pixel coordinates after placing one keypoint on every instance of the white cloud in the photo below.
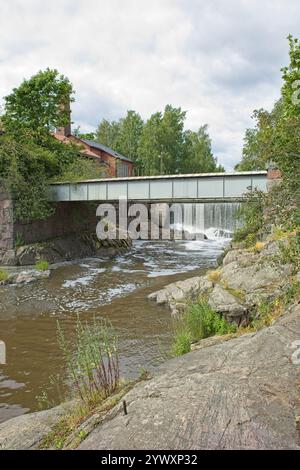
(217, 60)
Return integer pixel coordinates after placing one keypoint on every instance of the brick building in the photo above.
(114, 164)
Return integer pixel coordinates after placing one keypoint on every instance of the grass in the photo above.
(3, 275)
(66, 433)
(42, 265)
(214, 275)
(198, 322)
(92, 361)
(93, 378)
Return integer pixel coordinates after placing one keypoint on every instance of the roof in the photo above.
(102, 147)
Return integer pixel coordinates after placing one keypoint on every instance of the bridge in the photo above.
(202, 187)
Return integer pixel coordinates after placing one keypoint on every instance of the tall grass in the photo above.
(93, 361)
(198, 322)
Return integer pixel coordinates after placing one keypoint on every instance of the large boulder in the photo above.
(241, 394)
(26, 431)
(222, 301)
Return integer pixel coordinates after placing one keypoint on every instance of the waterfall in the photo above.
(214, 219)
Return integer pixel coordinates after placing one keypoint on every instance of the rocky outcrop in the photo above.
(176, 295)
(240, 394)
(229, 393)
(26, 431)
(244, 279)
(65, 248)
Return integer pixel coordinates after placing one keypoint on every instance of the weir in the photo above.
(214, 219)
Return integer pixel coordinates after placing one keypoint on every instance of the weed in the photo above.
(3, 275)
(42, 265)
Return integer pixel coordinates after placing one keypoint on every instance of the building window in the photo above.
(122, 169)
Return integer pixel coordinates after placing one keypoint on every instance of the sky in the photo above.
(218, 60)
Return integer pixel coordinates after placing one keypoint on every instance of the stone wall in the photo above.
(69, 218)
(6, 223)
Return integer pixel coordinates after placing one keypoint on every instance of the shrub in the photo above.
(203, 321)
(93, 361)
(3, 275)
(290, 251)
(199, 321)
(250, 215)
(42, 265)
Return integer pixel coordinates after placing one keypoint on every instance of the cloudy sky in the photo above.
(216, 59)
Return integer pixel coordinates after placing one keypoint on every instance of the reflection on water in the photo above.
(114, 289)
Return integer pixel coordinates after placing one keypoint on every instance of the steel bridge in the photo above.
(202, 187)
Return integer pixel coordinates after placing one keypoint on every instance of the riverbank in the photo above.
(238, 392)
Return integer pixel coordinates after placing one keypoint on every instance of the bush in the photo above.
(251, 216)
(3, 275)
(290, 251)
(199, 321)
(42, 265)
(203, 321)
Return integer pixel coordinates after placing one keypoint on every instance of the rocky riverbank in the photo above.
(237, 391)
(64, 248)
(245, 279)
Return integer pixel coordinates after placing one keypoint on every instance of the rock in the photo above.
(253, 277)
(178, 293)
(212, 341)
(241, 394)
(68, 248)
(8, 258)
(227, 304)
(25, 277)
(26, 431)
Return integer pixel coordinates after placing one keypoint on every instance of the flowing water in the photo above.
(115, 289)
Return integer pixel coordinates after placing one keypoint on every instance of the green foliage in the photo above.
(42, 265)
(40, 103)
(182, 341)
(30, 157)
(198, 156)
(81, 169)
(290, 251)
(3, 275)
(160, 145)
(202, 321)
(276, 138)
(108, 133)
(198, 321)
(92, 361)
(250, 215)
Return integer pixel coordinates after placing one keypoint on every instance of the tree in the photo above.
(30, 157)
(198, 156)
(39, 104)
(276, 138)
(108, 133)
(149, 146)
(260, 141)
(130, 130)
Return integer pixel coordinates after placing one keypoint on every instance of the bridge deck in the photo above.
(194, 187)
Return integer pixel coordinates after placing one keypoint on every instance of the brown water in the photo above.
(113, 289)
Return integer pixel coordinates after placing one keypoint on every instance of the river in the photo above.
(114, 289)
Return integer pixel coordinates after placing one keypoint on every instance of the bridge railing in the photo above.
(196, 187)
